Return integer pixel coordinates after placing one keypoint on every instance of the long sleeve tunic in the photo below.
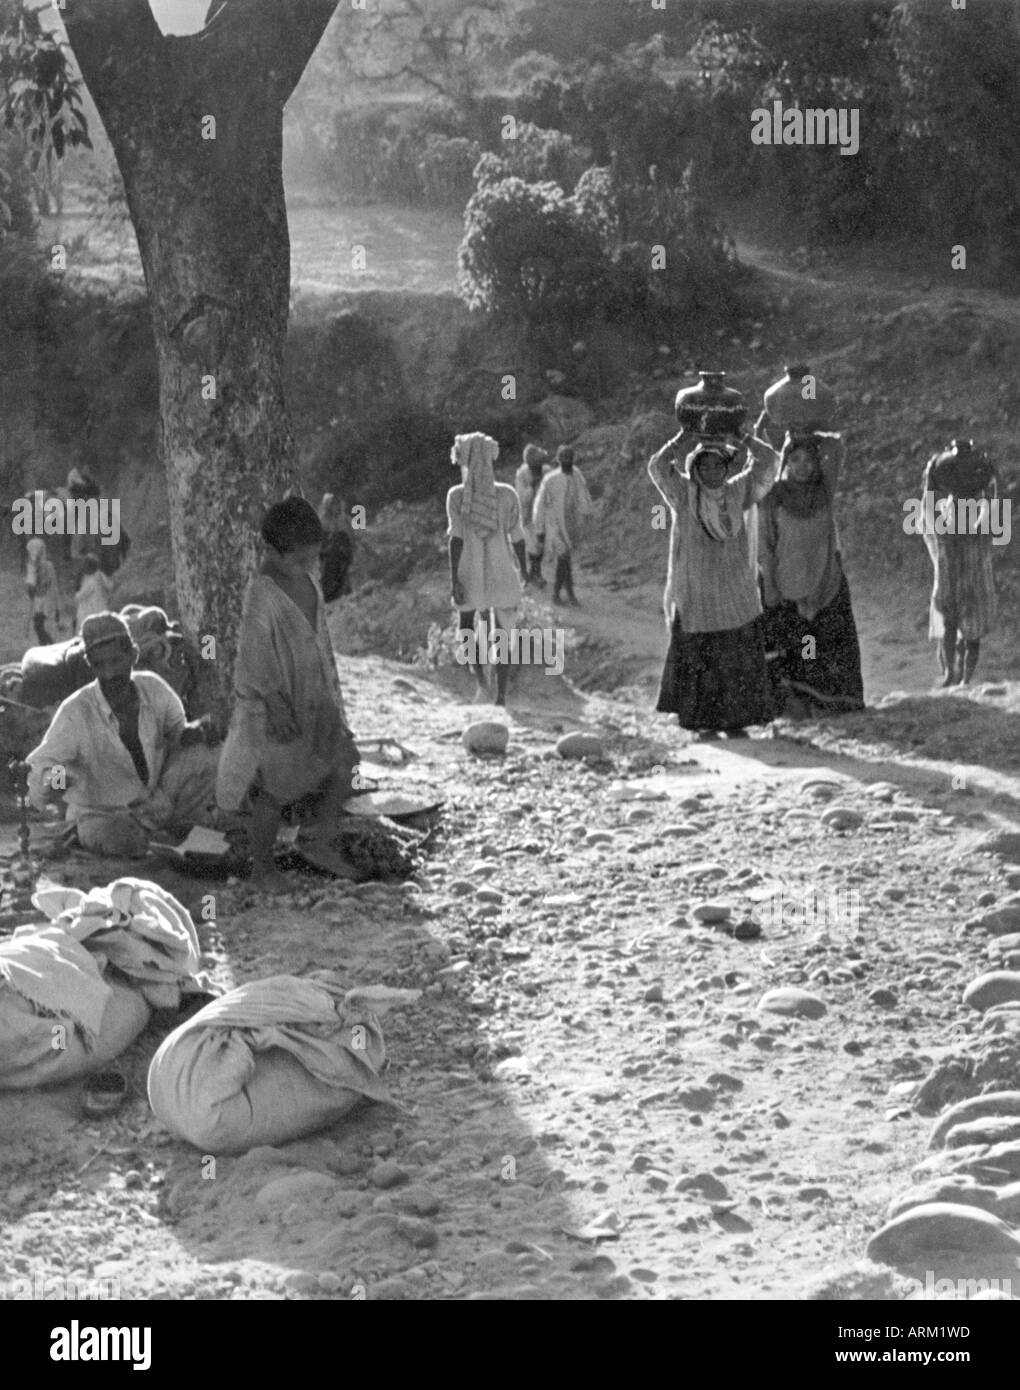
(711, 583)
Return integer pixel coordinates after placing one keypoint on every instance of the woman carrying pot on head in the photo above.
(958, 492)
(714, 678)
(810, 634)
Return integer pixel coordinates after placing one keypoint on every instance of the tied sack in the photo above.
(59, 1018)
(137, 928)
(271, 1061)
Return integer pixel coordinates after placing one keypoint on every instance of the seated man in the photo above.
(288, 737)
(122, 748)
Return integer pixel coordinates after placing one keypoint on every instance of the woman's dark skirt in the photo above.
(716, 680)
(824, 672)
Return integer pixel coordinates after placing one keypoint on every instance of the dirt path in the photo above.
(592, 1105)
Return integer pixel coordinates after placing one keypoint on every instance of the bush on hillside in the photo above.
(529, 252)
(554, 261)
(538, 155)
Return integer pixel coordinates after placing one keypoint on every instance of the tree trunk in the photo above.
(196, 124)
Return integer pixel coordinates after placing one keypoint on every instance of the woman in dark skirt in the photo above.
(715, 678)
(808, 624)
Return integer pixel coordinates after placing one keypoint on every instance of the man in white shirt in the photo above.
(527, 481)
(123, 751)
(562, 506)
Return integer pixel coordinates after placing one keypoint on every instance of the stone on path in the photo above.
(842, 818)
(884, 998)
(387, 1174)
(579, 745)
(931, 1230)
(1003, 920)
(994, 1164)
(717, 911)
(997, 987)
(1003, 842)
(792, 1003)
(976, 1108)
(486, 736)
(960, 1191)
(993, 1129)
(296, 1187)
(1007, 1203)
(706, 1185)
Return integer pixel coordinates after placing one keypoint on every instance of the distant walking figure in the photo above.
(93, 592)
(562, 506)
(714, 678)
(959, 541)
(485, 535)
(527, 482)
(337, 548)
(42, 588)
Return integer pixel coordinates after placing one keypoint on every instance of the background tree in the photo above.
(196, 126)
(443, 46)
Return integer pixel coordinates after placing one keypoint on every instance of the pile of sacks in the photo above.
(75, 994)
(270, 1061)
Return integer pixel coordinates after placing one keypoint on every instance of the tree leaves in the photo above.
(40, 96)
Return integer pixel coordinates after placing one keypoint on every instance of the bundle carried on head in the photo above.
(477, 453)
(155, 636)
(961, 470)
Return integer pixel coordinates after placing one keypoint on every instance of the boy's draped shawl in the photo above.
(134, 925)
(279, 654)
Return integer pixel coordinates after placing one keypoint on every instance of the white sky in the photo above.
(179, 16)
(172, 16)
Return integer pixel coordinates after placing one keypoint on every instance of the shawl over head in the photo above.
(477, 453)
(718, 510)
(801, 499)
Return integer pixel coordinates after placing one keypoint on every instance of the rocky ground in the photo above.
(593, 1101)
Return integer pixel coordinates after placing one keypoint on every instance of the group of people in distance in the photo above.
(92, 567)
(503, 538)
(758, 603)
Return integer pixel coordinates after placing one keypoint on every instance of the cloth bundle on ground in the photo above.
(271, 1061)
(75, 994)
(59, 1018)
(138, 928)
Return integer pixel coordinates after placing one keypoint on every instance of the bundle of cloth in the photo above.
(271, 1061)
(49, 674)
(75, 994)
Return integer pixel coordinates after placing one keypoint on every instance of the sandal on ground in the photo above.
(104, 1094)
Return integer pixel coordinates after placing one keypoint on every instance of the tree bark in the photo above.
(207, 205)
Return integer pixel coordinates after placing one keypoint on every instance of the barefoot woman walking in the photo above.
(715, 677)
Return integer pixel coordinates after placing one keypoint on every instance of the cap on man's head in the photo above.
(534, 455)
(100, 628)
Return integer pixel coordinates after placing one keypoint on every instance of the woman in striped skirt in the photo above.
(714, 678)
